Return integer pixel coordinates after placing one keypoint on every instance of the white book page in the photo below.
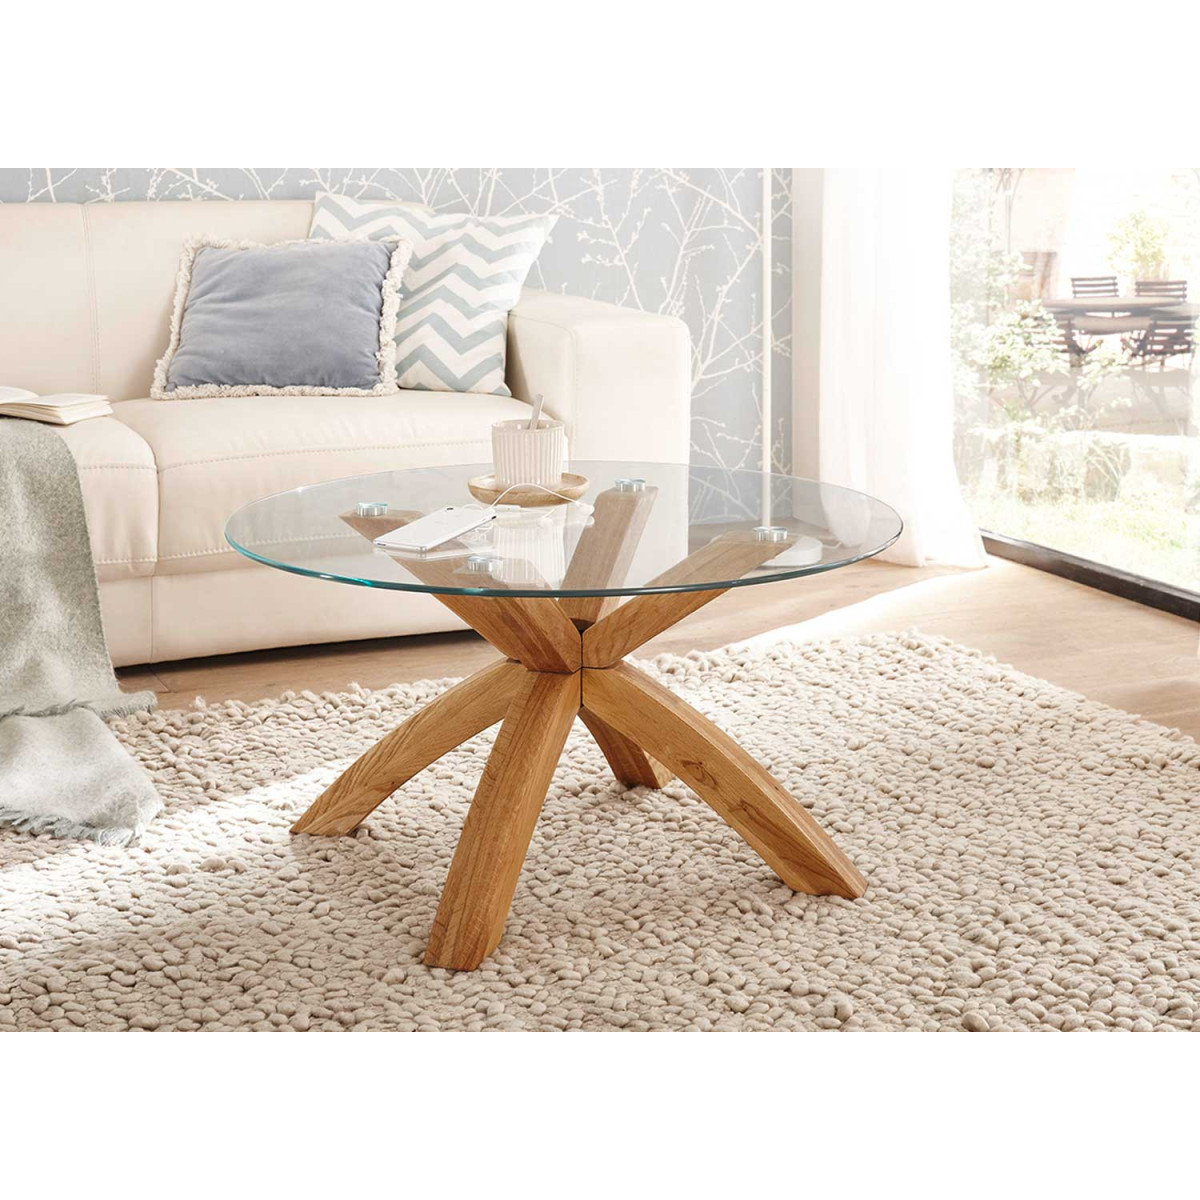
(8, 394)
(66, 399)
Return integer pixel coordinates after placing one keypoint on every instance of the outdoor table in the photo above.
(1111, 305)
(1118, 314)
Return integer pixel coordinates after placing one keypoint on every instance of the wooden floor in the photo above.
(1112, 650)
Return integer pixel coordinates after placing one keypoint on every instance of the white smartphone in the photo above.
(453, 549)
(435, 528)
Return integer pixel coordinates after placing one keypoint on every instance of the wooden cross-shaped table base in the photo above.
(565, 658)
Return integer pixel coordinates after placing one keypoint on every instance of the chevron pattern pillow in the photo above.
(464, 276)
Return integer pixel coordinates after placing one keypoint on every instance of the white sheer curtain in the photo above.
(885, 402)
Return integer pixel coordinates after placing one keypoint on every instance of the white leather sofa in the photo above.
(85, 292)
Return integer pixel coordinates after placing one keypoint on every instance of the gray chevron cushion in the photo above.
(464, 276)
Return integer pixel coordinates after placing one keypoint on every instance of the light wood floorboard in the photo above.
(1111, 650)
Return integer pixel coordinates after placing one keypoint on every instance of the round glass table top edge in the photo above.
(251, 534)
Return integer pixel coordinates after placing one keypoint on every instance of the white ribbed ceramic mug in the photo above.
(524, 455)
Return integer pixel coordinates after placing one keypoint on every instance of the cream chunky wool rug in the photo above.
(1031, 860)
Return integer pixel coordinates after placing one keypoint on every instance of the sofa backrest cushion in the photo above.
(86, 290)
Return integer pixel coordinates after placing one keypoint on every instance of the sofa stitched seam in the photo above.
(117, 467)
(152, 639)
(226, 549)
(209, 553)
(200, 462)
(93, 304)
(158, 502)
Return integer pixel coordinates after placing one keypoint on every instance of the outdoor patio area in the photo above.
(1075, 310)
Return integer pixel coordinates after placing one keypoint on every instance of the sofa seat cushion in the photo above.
(214, 455)
(119, 480)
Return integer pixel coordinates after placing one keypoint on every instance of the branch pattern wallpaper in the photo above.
(683, 241)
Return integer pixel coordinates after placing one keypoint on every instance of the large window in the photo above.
(1075, 302)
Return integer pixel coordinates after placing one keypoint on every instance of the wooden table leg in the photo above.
(643, 617)
(631, 765)
(466, 709)
(605, 550)
(803, 855)
(495, 837)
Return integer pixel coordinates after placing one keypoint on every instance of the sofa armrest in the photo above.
(618, 378)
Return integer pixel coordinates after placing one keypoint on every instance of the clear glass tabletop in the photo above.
(639, 528)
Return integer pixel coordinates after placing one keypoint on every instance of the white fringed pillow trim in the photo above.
(385, 356)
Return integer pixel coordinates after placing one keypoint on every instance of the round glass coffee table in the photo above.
(564, 591)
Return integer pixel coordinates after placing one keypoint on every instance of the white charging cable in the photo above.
(585, 508)
(541, 516)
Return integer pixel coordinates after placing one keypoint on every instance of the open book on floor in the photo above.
(64, 408)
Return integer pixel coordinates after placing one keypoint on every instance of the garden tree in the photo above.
(1038, 388)
(1022, 358)
(981, 275)
(1138, 246)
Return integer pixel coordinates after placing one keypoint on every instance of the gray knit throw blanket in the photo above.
(61, 769)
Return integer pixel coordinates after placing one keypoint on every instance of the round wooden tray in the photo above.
(485, 488)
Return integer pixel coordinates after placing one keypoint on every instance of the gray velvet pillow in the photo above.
(297, 318)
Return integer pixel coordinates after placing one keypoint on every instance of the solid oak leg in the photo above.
(745, 795)
(534, 630)
(456, 715)
(624, 629)
(605, 550)
(495, 836)
(630, 764)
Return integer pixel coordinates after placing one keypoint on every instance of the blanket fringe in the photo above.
(122, 705)
(61, 827)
